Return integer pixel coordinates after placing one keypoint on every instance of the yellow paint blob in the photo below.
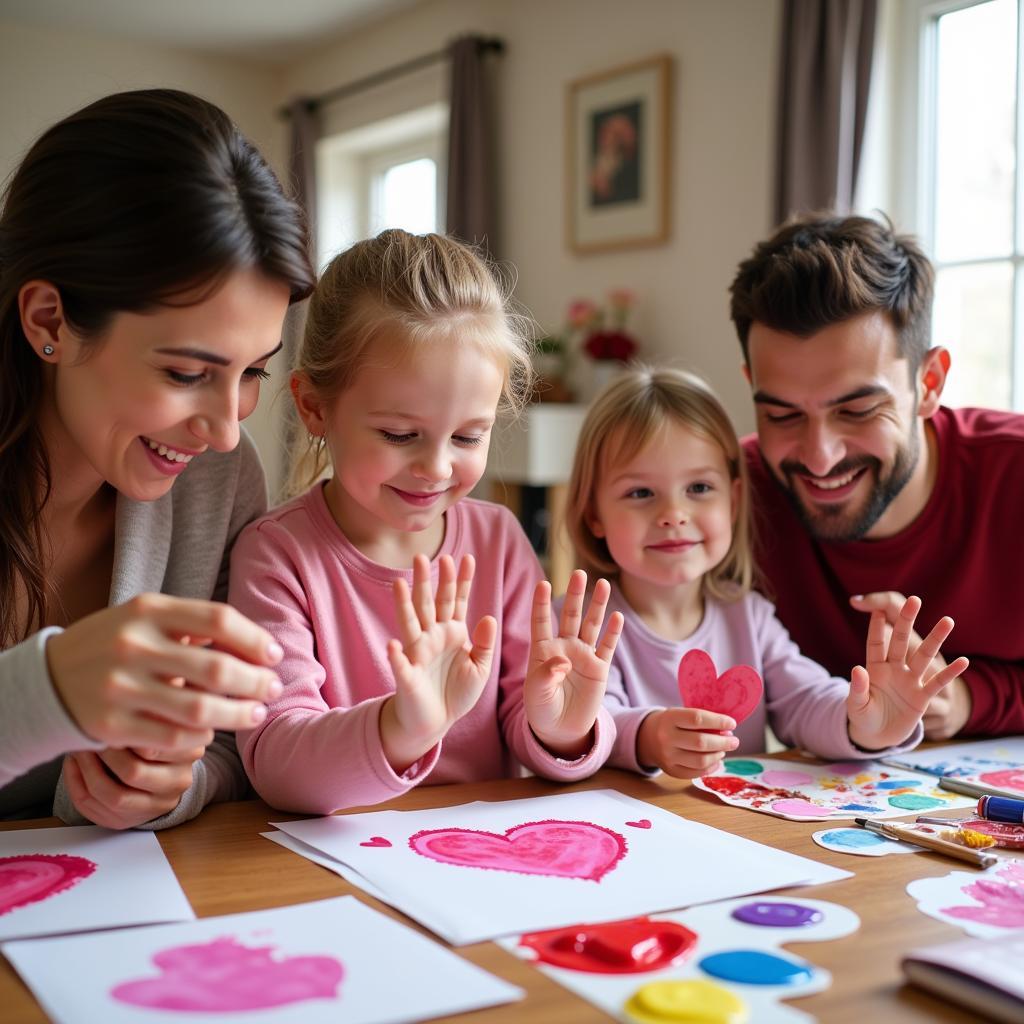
(977, 840)
(695, 1002)
(862, 779)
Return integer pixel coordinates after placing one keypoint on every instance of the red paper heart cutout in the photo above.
(376, 841)
(225, 976)
(566, 849)
(618, 947)
(642, 823)
(736, 692)
(32, 877)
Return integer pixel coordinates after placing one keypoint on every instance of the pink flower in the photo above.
(621, 299)
(581, 313)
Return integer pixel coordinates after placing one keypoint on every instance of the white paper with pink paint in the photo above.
(984, 903)
(312, 963)
(481, 870)
(802, 791)
(58, 880)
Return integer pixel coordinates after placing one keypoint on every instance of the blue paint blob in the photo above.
(854, 838)
(897, 783)
(772, 914)
(915, 802)
(752, 967)
(859, 807)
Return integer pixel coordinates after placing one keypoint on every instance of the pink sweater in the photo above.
(332, 610)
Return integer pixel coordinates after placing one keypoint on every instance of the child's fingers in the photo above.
(591, 627)
(694, 768)
(860, 688)
(467, 568)
(408, 622)
(701, 718)
(540, 615)
(903, 630)
(572, 608)
(929, 646)
(943, 678)
(484, 637)
(444, 602)
(422, 595)
(400, 664)
(606, 648)
(876, 644)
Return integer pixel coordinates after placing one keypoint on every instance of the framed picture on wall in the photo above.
(618, 125)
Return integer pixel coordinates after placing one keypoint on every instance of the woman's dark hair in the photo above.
(122, 206)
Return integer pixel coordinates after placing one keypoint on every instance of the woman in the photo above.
(147, 259)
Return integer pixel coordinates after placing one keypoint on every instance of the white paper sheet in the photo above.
(525, 865)
(984, 903)
(717, 932)
(313, 963)
(58, 880)
(962, 759)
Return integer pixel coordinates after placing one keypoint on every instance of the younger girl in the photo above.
(408, 350)
(658, 500)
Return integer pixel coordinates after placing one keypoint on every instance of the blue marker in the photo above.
(1001, 808)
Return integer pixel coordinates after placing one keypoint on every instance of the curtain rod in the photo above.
(313, 103)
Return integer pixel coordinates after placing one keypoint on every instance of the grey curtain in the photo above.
(825, 75)
(470, 206)
(305, 130)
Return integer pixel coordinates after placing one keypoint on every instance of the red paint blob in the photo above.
(632, 946)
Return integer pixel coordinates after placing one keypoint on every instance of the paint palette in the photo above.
(802, 791)
(719, 962)
(983, 903)
(312, 963)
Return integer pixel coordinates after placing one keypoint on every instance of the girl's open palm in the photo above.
(567, 674)
(439, 673)
(888, 698)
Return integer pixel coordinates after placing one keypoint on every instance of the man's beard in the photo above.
(834, 522)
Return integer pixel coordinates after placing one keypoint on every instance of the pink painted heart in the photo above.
(225, 976)
(736, 692)
(564, 849)
(32, 877)
(376, 841)
(642, 823)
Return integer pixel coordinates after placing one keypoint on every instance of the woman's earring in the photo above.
(48, 350)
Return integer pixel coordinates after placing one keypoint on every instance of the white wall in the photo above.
(723, 123)
(47, 74)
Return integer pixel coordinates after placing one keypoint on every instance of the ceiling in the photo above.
(271, 30)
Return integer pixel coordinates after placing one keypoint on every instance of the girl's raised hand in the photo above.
(888, 698)
(111, 670)
(439, 673)
(567, 674)
(685, 742)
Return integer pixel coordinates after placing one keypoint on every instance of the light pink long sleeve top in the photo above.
(331, 609)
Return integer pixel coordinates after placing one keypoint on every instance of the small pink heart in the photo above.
(642, 823)
(32, 877)
(377, 841)
(736, 692)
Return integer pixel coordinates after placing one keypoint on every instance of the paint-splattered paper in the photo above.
(984, 903)
(313, 963)
(680, 958)
(962, 760)
(802, 791)
(58, 880)
(485, 869)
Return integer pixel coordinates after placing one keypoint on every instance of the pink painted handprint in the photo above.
(1001, 898)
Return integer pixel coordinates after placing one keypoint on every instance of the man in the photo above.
(865, 488)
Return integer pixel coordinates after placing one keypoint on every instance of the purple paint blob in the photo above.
(777, 915)
(778, 777)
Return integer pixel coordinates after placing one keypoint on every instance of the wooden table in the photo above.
(225, 867)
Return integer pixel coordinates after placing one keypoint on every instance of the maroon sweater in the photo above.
(963, 556)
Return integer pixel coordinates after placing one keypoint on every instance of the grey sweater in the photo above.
(179, 545)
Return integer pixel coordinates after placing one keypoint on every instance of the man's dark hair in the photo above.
(820, 269)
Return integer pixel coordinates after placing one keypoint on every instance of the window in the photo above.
(389, 174)
(967, 198)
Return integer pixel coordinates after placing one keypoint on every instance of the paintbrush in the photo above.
(906, 835)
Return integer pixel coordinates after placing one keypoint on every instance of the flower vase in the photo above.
(601, 372)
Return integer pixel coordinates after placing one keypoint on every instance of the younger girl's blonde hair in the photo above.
(621, 421)
(432, 288)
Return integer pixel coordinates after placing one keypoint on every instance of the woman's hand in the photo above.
(113, 668)
(123, 788)
(439, 674)
(568, 673)
(685, 742)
